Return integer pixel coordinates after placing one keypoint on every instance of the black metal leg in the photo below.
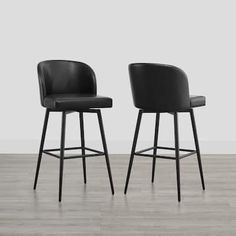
(105, 149)
(82, 144)
(155, 145)
(41, 147)
(177, 153)
(63, 129)
(133, 149)
(197, 147)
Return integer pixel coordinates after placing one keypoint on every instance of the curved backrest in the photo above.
(157, 87)
(60, 77)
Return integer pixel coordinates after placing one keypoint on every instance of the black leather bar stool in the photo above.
(158, 88)
(69, 86)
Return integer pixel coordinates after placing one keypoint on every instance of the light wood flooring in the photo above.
(147, 209)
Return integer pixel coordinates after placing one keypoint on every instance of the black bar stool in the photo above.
(69, 86)
(158, 88)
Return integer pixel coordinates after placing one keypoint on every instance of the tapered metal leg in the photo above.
(197, 147)
(82, 144)
(133, 149)
(41, 147)
(155, 145)
(63, 130)
(177, 153)
(105, 149)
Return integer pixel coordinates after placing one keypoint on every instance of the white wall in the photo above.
(198, 36)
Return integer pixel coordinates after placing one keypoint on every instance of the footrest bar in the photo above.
(171, 148)
(58, 149)
(51, 154)
(141, 152)
(187, 154)
(144, 150)
(164, 148)
(86, 155)
(156, 156)
(96, 152)
(93, 150)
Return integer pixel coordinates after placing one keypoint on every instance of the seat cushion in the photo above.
(76, 102)
(197, 101)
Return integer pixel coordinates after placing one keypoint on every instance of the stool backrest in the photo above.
(61, 77)
(158, 87)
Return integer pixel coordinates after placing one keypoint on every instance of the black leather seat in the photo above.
(76, 102)
(197, 101)
(70, 86)
(158, 88)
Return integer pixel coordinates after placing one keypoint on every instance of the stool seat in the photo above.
(197, 101)
(76, 101)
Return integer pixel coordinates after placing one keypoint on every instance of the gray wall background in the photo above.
(198, 36)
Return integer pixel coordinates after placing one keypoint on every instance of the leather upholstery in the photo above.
(159, 87)
(76, 101)
(69, 85)
(197, 101)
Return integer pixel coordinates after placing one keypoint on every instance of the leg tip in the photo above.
(112, 191)
(179, 198)
(203, 186)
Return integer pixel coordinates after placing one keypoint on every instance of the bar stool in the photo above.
(158, 88)
(70, 86)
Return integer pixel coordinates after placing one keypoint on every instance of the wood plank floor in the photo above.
(148, 209)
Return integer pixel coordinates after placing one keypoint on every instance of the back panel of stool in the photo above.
(65, 77)
(158, 87)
